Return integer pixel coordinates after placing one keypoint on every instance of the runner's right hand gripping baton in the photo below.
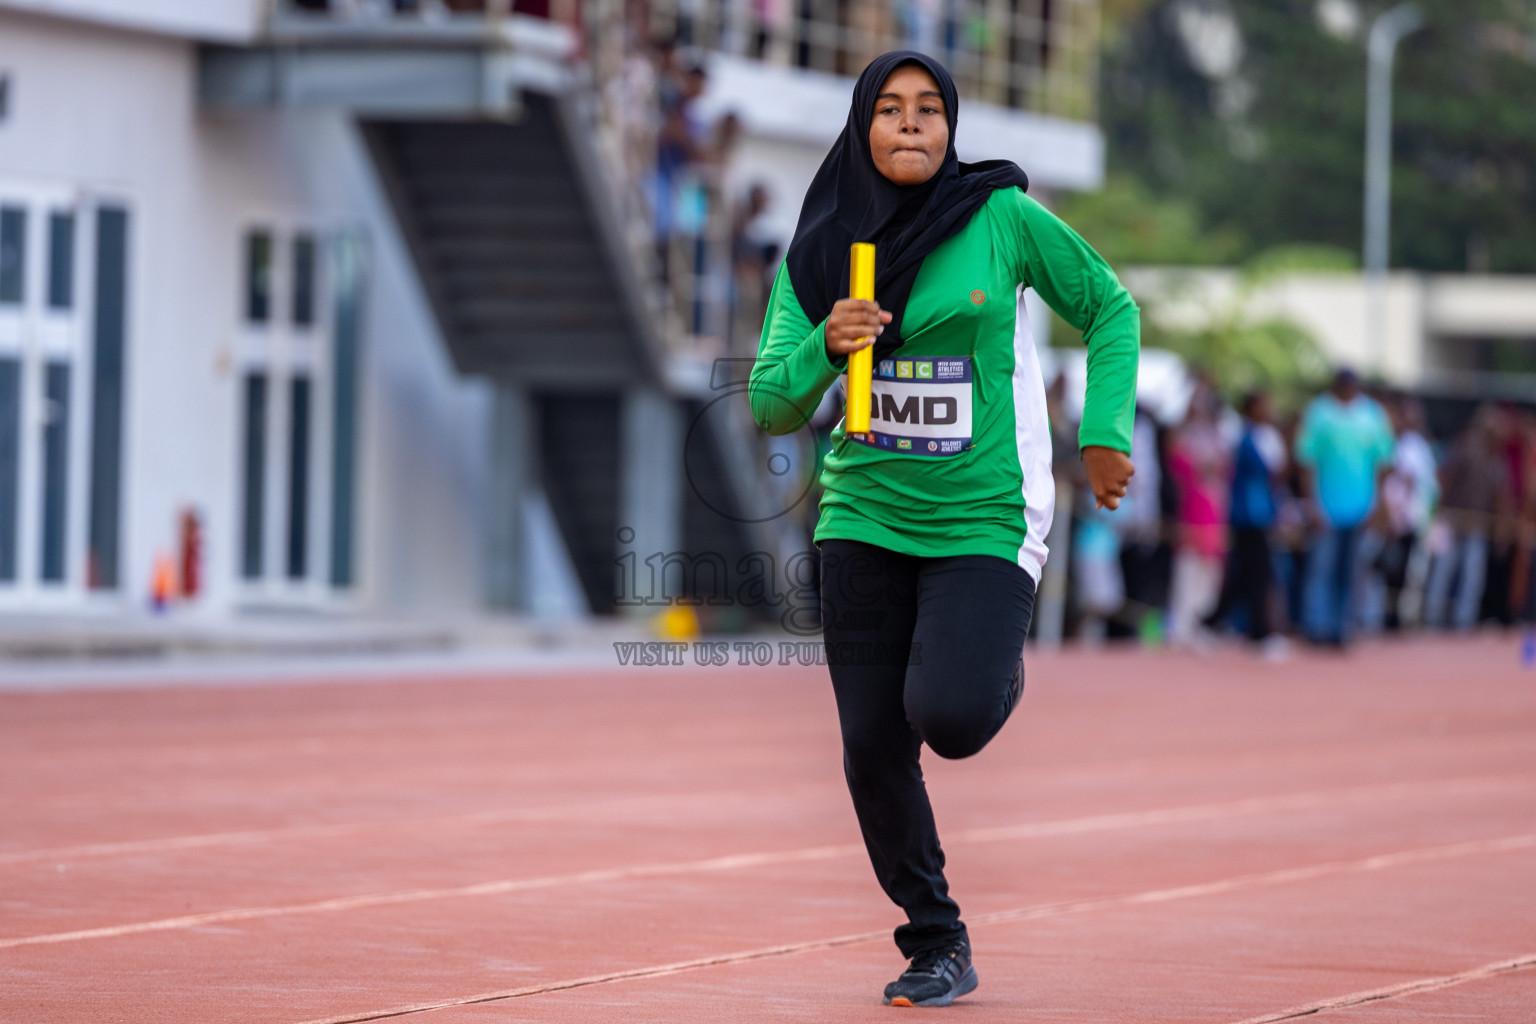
(861, 280)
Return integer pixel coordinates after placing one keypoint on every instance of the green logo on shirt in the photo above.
(925, 371)
(904, 368)
(904, 443)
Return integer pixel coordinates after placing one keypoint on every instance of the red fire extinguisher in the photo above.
(191, 553)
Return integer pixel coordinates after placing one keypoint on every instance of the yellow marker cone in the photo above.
(678, 622)
(861, 278)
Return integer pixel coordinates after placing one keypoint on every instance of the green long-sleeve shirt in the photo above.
(959, 460)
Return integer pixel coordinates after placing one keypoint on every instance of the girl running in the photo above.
(932, 527)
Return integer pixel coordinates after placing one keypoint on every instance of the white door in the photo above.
(42, 387)
(283, 347)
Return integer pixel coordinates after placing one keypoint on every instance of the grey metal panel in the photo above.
(363, 80)
(650, 484)
(514, 469)
(109, 375)
(377, 81)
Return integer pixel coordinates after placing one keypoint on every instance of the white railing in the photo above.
(1038, 55)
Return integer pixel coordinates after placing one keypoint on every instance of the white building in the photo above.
(1465, 333)
(348, 306)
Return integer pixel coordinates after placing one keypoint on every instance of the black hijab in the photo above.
(850, 201)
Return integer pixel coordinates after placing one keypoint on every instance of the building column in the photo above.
(650, 493)
(513, 475)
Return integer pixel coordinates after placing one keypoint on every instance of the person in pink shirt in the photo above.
(1200, 464)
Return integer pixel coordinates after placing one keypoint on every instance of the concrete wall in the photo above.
(423, 430)
(113, 115)
(221, 20)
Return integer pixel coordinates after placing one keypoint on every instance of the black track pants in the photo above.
(921, 650)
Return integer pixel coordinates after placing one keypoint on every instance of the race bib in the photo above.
(920, 406)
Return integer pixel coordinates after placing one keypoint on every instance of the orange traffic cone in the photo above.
(163, 586)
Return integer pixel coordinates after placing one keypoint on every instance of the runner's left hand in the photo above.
(1109, 474)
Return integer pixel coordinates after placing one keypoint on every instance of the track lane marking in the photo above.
(1398, 991)
(555, 812)
(731, 862)
(253, 836)
(1375, 863)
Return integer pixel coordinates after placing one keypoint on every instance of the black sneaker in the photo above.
(936, 977)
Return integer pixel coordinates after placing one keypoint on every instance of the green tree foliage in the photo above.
(1127, 224)
(1240, 350)
(1264, 140)
(1237, 347)
(1276, 354)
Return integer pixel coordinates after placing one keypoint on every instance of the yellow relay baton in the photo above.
(861, 280)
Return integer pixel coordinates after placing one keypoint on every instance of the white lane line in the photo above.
(1281, 877)
(1285, 802)
(547, 813)
(472, 818)
(657, 971)
(1407, 988)
(733, 862)
(496, 888)
(1289, 875)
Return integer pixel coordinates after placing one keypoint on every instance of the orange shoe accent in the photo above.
(901, 1001)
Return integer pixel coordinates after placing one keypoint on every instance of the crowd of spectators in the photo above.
(711, 254)
(1341, 519)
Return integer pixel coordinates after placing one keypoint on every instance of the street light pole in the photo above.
(1387, 31)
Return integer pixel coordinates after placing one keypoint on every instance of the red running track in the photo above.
(1151, 839)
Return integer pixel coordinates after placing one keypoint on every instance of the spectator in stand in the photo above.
(920, 23)
(1343, 447)
(754, 260)
(1097, 579)
(1139, 522)
(868, 31)
(1475, 485)
(680, 147)
(1249, 584)
(1199, 463)
(1066, 465)
(1409, 493)
(771, 29)
(1522, 595)
(1291, 535)
(632, 105)
(1504, 535)
(706, 222)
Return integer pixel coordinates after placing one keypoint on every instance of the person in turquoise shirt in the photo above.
(1343, 446)
(932, 524)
